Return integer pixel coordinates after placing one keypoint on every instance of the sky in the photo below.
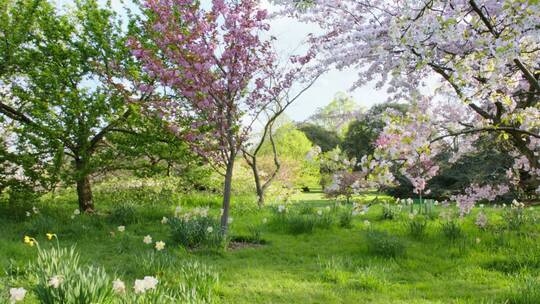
(290, 34)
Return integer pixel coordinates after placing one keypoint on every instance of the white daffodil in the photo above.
(119, 286)
(17, 294)
(147, 239)
(160, 245)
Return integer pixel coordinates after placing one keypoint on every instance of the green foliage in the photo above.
(359, 140)
(345, 219)
(417, 226)
(514, 218)
(451, 229)
(123, 214)
(390, 211)
(77, 284)
(293, 148)
(380, 243)
(196, 232)
(526, 290)
(336, 115)
(325, 139)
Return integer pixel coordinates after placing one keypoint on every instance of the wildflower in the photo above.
(481, 220)
(281, 209)
(210, 229)
(221, 211)
(409, 201)
(28, 213)
(16, 294)
(76, 212)
(147, 239)
(160, 245)
(327, 208)
(56, 281)
(411, 215)
(141, 286)
(367, 223)
(481, 205)
(319, 212)
(35, 210)
(119, 286)
(50, 236)
(478, 240)
(121, 228)
(436, 203)
(164, 220)
(230, 220)
(265, 220)
(28, 240)
(150, 282)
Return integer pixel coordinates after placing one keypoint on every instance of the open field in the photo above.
(330, 264)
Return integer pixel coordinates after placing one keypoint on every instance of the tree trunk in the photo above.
(258, 186)
(84, 192)
(227, 195)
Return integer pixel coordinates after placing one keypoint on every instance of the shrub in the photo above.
(75, 283)
(123, 214)
(199, 231)
(417, 226)
(382, 244)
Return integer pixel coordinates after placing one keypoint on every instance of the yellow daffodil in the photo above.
(27, 239)
(31, 243)
(50, 236)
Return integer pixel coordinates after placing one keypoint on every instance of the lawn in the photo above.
(330, 264)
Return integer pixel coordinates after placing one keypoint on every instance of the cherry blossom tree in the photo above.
(218, 73)
(484, 54)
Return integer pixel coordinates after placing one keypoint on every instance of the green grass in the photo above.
(332, 265)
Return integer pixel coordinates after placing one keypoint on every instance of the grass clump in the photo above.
(380, 243)
(196, 232)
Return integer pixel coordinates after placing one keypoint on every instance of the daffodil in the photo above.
(50, 236)
(147, 239)
(16, 294)
(160, 245)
